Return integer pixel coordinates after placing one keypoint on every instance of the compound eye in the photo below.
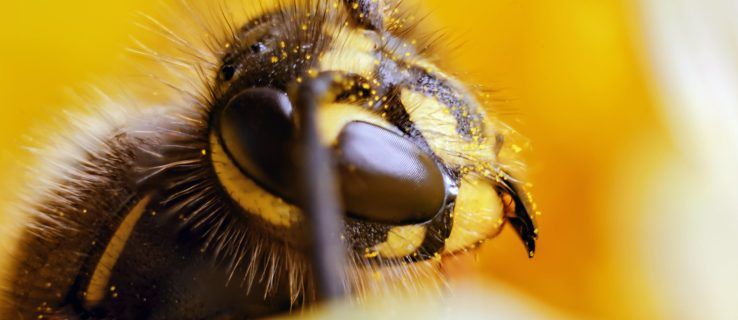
(256, 129)
(386, 177)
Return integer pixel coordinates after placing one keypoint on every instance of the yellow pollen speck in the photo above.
(112, 288)
(275, 59)
(304, 27)
(436, 257)
(84, 210)
(355, 6)
(517, 148)
(203, 152)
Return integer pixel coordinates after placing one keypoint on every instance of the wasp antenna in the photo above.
(517, 212)
(319, 191)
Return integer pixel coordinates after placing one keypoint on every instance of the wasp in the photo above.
(309, 146)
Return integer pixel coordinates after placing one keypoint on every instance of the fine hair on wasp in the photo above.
(287, 153)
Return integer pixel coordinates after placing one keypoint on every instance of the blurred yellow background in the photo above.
(571, 75)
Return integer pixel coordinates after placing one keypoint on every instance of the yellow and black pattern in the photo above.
(161, 216)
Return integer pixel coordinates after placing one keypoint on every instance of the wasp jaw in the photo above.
(527, 233)
(518, 215)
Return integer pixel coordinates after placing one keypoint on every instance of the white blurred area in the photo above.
(690, 218)
(461, 300)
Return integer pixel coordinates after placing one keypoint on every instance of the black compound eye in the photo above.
(386, 178)
(256, 129)
(227, 72)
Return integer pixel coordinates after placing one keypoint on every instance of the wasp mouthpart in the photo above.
(518, 215)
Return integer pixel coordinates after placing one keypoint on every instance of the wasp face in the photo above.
(387, 178)
(414, 153)
(211, 210)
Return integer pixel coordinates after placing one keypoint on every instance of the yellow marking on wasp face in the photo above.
(355, 39)
(401, 241)
(477, 216)
(250, 196)
(97, 288)
(349, 61)
(351, 53)
(438, 126)
(333, 117)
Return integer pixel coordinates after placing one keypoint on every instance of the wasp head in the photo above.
(411, 156)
